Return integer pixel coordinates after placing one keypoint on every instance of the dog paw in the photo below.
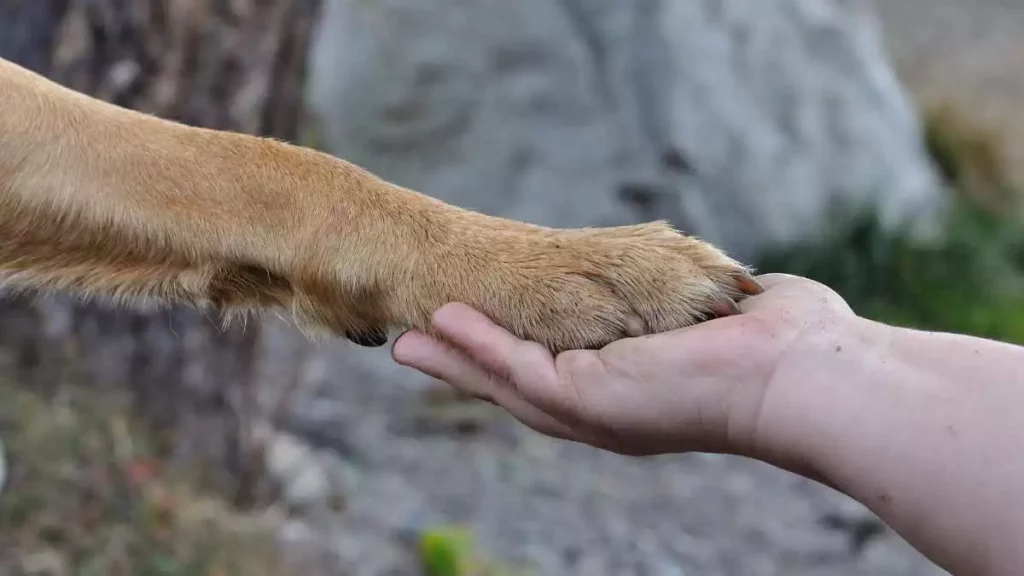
(582, 289)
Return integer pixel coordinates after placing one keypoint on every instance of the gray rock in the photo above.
(747, 122)
(308, 478)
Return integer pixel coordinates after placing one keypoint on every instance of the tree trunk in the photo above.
(235, 65)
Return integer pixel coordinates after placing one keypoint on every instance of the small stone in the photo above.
(286, 454)
(309, 487)
(295, 532)
(45, 563)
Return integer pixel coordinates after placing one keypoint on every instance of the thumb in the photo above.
(541, 380)
(492, 347)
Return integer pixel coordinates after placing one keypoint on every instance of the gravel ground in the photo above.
(558, 508)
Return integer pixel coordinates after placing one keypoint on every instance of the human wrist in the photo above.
(816, 380)
(905, 424)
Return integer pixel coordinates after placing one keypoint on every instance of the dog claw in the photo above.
(725, 308)
(747, 284)
(635, 326)
(374, 338)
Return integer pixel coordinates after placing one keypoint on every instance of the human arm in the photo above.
(920, 427)
(923, 428)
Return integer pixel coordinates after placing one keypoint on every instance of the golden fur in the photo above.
(100, 200)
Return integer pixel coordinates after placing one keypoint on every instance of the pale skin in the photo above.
(923, 428)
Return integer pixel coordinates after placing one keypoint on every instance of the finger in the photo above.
(496, 349)
(420, 351)
(768, 281)
(804, 291)
(434, 358)
(526, 367)
(771, 283)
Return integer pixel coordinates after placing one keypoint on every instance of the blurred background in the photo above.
(875, 147)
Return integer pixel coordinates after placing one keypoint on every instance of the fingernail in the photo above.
(407, 353)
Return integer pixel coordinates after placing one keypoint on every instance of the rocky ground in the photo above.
(400, 462)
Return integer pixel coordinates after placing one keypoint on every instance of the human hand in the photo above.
(701, 388)
(796, 380)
